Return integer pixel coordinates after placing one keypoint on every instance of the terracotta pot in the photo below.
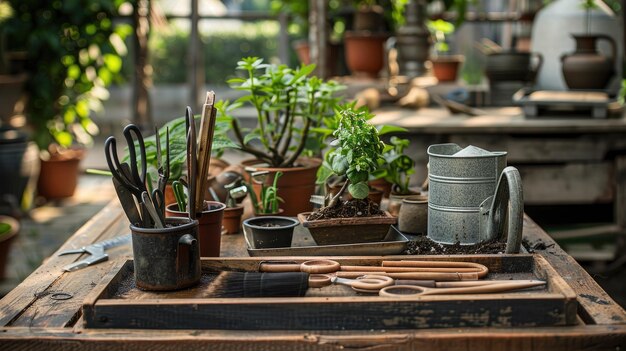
(302, 49)
(382, 185)
(58, 176)
(232, 219)
(395, 202)
(338, 231)
(295, 186)
(209, 226)
(365, 52)
(446, 68)
(262, 236)
(413, 216)
(586, 68)
(6, 239)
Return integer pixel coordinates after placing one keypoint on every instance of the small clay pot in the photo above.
(232, 219)
(209, 228)
(270, 231)
(395, 202)
(58, 176)
(413, 215)
(381, 184)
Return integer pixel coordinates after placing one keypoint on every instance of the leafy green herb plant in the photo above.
(269, 201)
(356, 153)
(288, 103)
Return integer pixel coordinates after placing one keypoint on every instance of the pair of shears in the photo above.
(130, 181)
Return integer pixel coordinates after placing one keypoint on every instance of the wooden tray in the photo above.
(533, 101)
(117, 303)
(303, 245)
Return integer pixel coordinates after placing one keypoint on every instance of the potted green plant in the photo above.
(396, 168)
(267, 204)
(288, 103)
(357, 149)
(445, 66)
(74, 52)
(9, 228)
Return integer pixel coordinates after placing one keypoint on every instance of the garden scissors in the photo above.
(95, 251)
(411, 291)
(131, 178)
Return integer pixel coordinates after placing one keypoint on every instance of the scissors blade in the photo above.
(85, 262)
(127, 202)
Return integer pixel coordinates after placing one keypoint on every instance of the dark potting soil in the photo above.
(424, 246)
(348, 209)
(268, 225)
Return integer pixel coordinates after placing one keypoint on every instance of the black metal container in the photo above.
(167, 258)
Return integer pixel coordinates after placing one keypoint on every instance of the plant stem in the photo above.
(249, 149)
(295, 154)
(337, 196)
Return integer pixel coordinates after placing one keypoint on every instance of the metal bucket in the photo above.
(459, 181)
(167, 258)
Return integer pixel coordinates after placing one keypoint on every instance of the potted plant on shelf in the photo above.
(74, 53)
(445, 66)
(356, 152)
(396, 168)
(288, 103)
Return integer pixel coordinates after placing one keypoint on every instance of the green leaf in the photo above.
(251, 136)
(386, 129)
(359, 190)
(113, 62)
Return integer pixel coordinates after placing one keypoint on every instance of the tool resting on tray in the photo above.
(408, 278)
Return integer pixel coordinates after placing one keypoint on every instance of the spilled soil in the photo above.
(424, 246)
(348, 209)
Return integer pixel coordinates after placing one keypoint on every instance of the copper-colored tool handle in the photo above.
(437, 276)
(312, 267)
(407, 269)
(481, 269)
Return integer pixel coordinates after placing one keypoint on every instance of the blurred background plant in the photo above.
(74, 53)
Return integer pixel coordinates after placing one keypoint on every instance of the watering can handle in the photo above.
(508, 196)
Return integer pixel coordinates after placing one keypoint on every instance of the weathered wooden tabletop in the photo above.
(31, 320)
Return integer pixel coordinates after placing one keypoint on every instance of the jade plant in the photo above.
(356, 152)
(288, 104)
(396, 167)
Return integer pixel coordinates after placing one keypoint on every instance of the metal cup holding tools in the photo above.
(167, 258)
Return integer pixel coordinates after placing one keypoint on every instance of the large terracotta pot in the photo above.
(209, 226)
(586, 68)
(365, 52)
(295, 186)
(58, 176)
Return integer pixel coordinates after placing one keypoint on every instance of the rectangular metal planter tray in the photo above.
(117, 303)
(303, 245)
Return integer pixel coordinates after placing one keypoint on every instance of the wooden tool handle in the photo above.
(207, 128)
(279, 267)
(406, 269)
(482, 270)
(442, 276)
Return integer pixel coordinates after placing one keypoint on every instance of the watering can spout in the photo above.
(506, 205)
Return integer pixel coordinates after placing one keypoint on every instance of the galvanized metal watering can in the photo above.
(472, 194)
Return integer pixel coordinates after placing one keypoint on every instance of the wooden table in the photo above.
(31, 320)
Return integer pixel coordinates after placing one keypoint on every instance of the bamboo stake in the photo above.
(207, 129)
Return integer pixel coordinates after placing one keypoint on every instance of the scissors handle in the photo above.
(312, 267)
(139, 179)
(414, 290)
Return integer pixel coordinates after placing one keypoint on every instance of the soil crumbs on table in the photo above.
(347, 209)
(424, 246)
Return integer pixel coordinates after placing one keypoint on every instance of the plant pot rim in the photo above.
(448, 58)
(416, 199)
(184, 223)
(359, 34)
(386, 219)
(249, 222)
(221, 206)
(13, 223)
(309, 162)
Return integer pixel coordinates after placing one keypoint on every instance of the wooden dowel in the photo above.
(408, 269)
(414, 275)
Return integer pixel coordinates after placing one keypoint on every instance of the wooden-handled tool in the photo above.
(207, 130)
